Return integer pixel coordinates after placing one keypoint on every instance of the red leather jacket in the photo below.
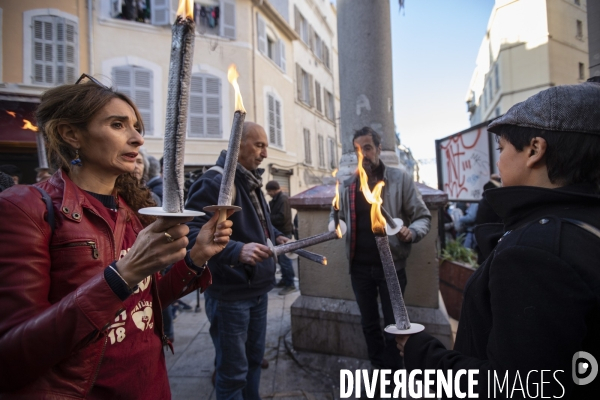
(55, 304)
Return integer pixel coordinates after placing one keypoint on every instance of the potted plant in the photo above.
(457, 265)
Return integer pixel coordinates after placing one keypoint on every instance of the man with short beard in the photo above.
(402, 200)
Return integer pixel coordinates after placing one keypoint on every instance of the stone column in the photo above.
(365, 64)
(593, 17)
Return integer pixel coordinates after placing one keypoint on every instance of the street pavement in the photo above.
(291, 375)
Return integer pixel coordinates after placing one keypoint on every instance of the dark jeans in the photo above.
(238, 331)
(287, 269)
(367, 282)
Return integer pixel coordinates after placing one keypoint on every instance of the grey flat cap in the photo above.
(567, 108)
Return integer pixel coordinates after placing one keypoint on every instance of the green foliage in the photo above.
(455, 251)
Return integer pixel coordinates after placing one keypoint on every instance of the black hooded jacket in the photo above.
(535, 301)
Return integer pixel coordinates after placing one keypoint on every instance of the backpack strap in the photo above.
(49, 207)
(218, 169)
(591, 229)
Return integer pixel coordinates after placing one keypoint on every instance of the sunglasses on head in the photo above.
(95, 81)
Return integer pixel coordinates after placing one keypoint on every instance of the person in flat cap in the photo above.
(531, 312)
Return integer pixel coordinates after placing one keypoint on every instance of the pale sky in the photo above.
(434, 46)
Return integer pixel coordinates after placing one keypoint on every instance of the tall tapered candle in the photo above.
(180, 75)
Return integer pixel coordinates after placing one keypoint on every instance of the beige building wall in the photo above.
(529, 46)
(17, 45)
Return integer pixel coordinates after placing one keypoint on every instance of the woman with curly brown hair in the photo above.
(80, 297)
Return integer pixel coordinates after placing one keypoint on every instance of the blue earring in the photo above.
(76, 160)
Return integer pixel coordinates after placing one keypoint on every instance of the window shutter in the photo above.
(196, 111)
(325, 56)
(271, 107)
(321, 151)
(43, 55)
(332, 155)
(318, 96)
(71, 51)
(160, 12)
(261, 34)
(278, 123)
(299, 81)
(142, 93)
(213, 106)
(311, 38)
(121, 76)
(282, 63)
(326, 103)
(227, 19)
(297, 20)
(307, 154)
(311, 91)
(115, 8)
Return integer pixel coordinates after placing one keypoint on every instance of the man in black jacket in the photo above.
(244, 272)
(281, 217)
(534, 304)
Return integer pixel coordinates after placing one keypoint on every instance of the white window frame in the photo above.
(329, 105)
(269, 44)
(205, 96)
(133, 90)
(28, 41)
(278, 130)
(321, 147)
(307, 146)
(158, 101)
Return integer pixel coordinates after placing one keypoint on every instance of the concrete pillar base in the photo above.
(332, 326)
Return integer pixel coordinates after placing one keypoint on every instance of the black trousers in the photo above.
(368, 282)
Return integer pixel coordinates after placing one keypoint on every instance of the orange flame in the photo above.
(232, 76)
(29, 125)
(372, 197)
(12, 113)
(186, 8)
(336, 200)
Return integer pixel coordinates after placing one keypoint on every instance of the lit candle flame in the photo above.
(232, 76)
(12, 113)
(334, 172)
(29, 125)
(336, 200)
(372, 197)
(186, 9)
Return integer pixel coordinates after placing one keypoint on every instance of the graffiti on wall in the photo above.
(465, 164)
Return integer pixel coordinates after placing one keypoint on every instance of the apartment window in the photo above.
(325, 55)
(304, 86)
(269, 45)
(307, 152)
(136, 82)
(329, 106)
(274, 118)
(579, 29)
(301, 26)
(332, 153)
(55, 50)
(204, 119)
(318, 96)
(215, 18)
(318, 47)
(497, 77)
(581, 71)
(321, 144)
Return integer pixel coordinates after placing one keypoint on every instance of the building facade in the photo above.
(529, 46)
(126, 44)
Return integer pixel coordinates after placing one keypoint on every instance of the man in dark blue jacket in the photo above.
(243, 273)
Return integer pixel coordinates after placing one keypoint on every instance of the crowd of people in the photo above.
(88, 284)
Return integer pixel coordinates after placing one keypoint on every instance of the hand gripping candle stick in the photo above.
(378, 225)
(180, 75)
(228, 180)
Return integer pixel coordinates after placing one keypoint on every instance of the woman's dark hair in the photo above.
(77, 105)
(365, 132)
(571, 157)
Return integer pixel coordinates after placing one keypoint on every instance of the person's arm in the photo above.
(539, 307)
(469, 218)
(35, 334)
(205, 192)
(414, 208)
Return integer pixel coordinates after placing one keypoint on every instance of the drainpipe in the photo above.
(90, 38)
(253, 20)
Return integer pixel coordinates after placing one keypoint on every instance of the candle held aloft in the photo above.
(180, 75)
